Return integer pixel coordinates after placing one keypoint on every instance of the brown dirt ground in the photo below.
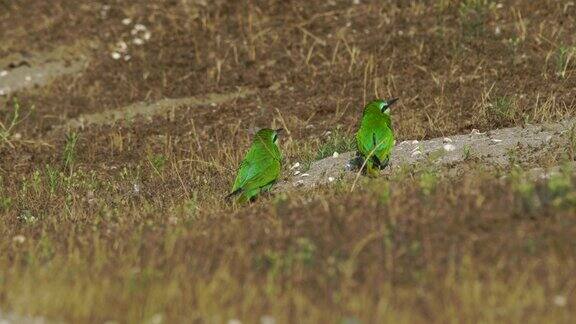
(136, 226)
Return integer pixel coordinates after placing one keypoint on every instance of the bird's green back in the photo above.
(375, 136)
(261, 165)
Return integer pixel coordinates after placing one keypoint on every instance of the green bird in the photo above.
(375, 138)
(260, 168)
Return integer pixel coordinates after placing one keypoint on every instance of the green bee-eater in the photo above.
(375, 138)
(260, 168)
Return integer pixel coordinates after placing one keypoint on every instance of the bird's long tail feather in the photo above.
(233, 193)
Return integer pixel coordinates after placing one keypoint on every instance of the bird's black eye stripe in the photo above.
(275, 138)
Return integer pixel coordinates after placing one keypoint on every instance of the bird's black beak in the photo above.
(392, 101)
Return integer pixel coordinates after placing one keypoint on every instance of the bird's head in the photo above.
(385, 104)
(268, 134)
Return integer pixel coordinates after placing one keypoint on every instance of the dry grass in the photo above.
(126, 222)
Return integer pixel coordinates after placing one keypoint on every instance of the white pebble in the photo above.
(330, 179)
(126, 21)
(147, 35)
(560, 301)
(138, 41)
(19, 239)
(449, 147)
(266, 319)
(304, 175)
(496, 140)
(475, 132)
(296, 165)
(2, 92)
(116, 55)
(3, 73)
(127, 57)
(335, 155)
(137, 28)
(299, 183)
(296, 172)
(447, 140)
(414, 142)
(28, 78)
(122, 46)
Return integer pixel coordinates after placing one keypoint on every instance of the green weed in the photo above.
(69, 153)
(336, 142)
(564, 57)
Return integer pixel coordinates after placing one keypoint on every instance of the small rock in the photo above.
(296, 172)
(559, 301)
(3, 73)
(267, 319)
(304, 175)
(449, 147)
(335, 155)
(348, 167)
(296, 165)
(126, 21)
(447, 140)
(140, 27)
(122, 46)
(494, 140)
(19, 239)
(116, 55)
(330, 179)
(497, 31)
(414, 142)
(476, 132)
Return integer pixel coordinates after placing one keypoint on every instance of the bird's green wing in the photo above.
(268, 172)
(384, 139)
(375, 138)
(256, 170)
